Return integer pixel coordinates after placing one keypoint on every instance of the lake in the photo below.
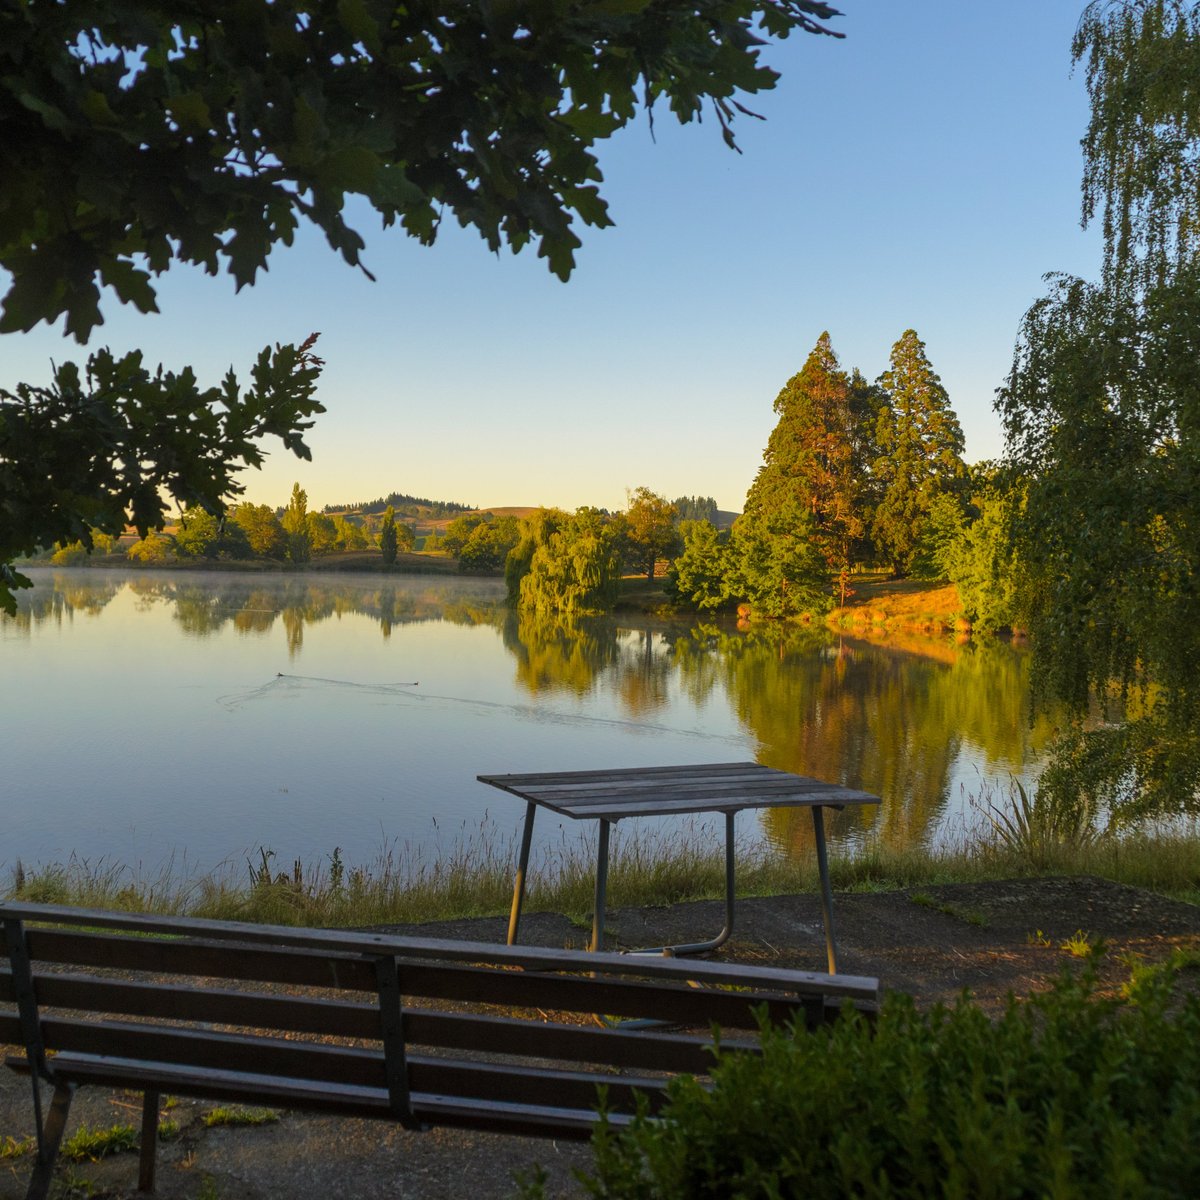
(192, 718)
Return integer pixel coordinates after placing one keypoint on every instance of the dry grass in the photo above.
(473, 876)
(891, 605)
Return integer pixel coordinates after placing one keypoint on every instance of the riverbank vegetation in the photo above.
(473, 875)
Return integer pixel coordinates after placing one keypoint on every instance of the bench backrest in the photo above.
(419, 1028)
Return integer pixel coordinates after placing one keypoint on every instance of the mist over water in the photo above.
(192, 718)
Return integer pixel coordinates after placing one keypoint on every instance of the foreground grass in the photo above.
(473, 877)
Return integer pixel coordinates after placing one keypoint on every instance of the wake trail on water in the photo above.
(403, 691)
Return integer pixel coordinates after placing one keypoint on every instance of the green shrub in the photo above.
(1065, 1095)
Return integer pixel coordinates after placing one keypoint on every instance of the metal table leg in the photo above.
(601, 887)
(688, 948)
(818, 816)
(514, 917)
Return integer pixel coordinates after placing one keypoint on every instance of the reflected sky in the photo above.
(194, 717)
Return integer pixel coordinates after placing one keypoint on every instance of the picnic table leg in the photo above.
(690, 948)
(601, 887)
(818, 816)
(514, 917)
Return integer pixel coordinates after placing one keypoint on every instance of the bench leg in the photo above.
(56, 1124)
(149, 1151)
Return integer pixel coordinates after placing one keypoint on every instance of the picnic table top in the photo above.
(661, 791)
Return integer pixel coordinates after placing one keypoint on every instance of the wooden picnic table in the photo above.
(612, 795)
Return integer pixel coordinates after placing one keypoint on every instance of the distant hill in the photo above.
(409, 506)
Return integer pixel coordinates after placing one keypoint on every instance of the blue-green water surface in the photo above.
(195, 717)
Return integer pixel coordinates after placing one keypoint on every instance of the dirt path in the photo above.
(992, 938)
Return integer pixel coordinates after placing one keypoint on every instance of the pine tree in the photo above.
(920, 450)
(809, 459)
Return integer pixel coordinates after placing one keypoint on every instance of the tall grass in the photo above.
(473, 875)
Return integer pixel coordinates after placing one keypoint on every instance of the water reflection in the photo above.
(873, 716)
(55, 605)
(206, 604)
(559, 655)
(909, 723)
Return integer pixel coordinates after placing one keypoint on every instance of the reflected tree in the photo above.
(558, 654)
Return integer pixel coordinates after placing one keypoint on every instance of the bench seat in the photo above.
(420, 1031)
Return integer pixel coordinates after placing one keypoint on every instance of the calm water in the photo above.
(193, 718)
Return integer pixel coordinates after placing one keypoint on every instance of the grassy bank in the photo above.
(474, 877)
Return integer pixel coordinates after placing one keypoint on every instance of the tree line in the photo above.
(854, 474)
(403, 503)
(291, 533)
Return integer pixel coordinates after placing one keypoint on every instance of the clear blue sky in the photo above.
(922, 173)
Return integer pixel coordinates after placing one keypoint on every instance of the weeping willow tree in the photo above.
(1142, 148)
(1102, 417)
(565, 563)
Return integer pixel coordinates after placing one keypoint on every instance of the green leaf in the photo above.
(131, 284)
(354, 169)
(357, 21)
(191, 111)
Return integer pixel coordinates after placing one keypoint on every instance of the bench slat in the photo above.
(180, 1002)
(355, 1066)
(350, 943)
(214, 1084)
(579, 993)
(261, 964)
(617, 997)
(339, 1018)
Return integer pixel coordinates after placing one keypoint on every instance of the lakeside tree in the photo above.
(970, 545)
(387, 537)
(701, 576)
(808, 462)
(264, 533)
(920, 450)
(197, 534)
(1102, 416)
(778, 562)
(349, 535)
(534, 530)
(489, 544)
(201, 535)
(295, 527)
(154, 548)
(574, 565)
(1141, 150)
(322, 533)
(648, 529)
(207, 137)
(456, 535)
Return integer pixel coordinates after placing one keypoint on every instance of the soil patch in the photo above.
(989, 938)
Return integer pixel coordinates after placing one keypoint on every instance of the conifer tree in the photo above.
(809, 459)
(920, 450)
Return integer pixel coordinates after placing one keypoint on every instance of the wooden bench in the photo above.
(340, 1022)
